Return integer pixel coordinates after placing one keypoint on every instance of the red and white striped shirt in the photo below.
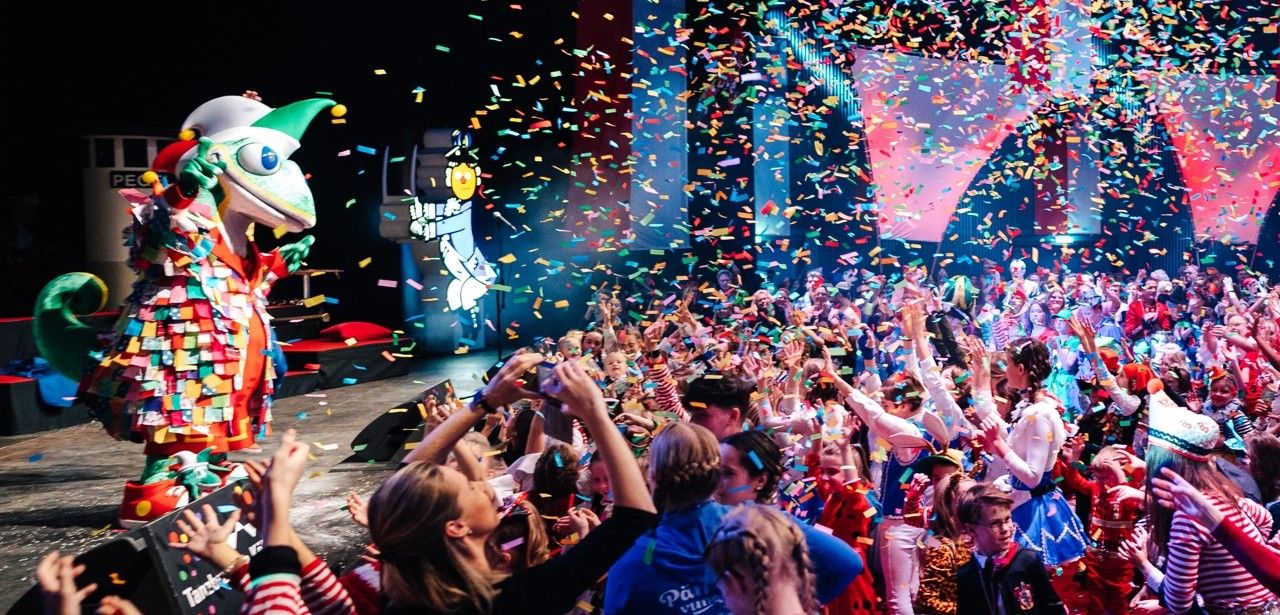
(316, 592)
(668, 393)
(1197, 563)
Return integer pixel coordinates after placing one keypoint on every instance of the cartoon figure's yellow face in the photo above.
(462, 178)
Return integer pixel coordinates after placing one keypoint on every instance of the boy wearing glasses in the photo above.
(1002, 577)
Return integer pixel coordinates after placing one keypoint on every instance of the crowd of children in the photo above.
(1044, 442)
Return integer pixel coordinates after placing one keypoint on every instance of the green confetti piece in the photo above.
(648, 552)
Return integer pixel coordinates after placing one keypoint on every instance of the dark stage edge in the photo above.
(60, 489)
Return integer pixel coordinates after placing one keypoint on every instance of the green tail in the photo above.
(61, 338)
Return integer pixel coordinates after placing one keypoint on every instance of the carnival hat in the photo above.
(1177, 429)
(230, 117)
(960, 292)
(950, 456)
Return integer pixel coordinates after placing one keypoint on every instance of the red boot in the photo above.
(145, 503)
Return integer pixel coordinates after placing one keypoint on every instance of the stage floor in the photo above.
(60, 489)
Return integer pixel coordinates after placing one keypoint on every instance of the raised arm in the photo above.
(502, 390)
(931, 375)
(868, 410)
(584, 400)
(984, 404)
(1125, 401)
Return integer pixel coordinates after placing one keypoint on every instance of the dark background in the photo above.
(106, 68)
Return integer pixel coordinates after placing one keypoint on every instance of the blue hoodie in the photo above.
(664, 572)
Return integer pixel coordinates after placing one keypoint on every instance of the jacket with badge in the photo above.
(1023, 585)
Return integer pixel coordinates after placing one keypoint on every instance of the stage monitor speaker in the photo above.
(141, 566)
(384, 438)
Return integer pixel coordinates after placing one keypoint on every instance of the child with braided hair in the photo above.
(664, 571)
(1028, 451)
(761, 563)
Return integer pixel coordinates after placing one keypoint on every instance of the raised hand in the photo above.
(992, 435)
(507, 385)
(653, 335)
(635, 420)
(206, 535)
(252, 508)
(578, 391)
(358, 508)
(1085, 333)
(793, 353)
(979, 363)
(56, 575)
(1125, 493)
(578, 523)
(753, 366)
(437, 413)
(288, 464)
(912, 321)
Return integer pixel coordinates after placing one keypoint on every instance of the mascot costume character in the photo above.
(187, 369)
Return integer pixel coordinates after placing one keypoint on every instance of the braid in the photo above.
(804, 573)
(685, 464)
(687, 484)
(764, 550)
(757, 556)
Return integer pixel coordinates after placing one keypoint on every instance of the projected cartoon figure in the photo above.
(450, 222)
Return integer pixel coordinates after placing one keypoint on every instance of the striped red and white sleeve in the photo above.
(321, 591)
(1199, 564)
(667, 394)
(275, 585)
(1181, 578)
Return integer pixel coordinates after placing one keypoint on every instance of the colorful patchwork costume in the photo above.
(187, 366)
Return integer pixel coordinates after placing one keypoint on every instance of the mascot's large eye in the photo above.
(259, 159)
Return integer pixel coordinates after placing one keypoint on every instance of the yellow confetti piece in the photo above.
(279, 231)
(364, 262)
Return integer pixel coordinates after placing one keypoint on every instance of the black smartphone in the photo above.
(555, 423)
